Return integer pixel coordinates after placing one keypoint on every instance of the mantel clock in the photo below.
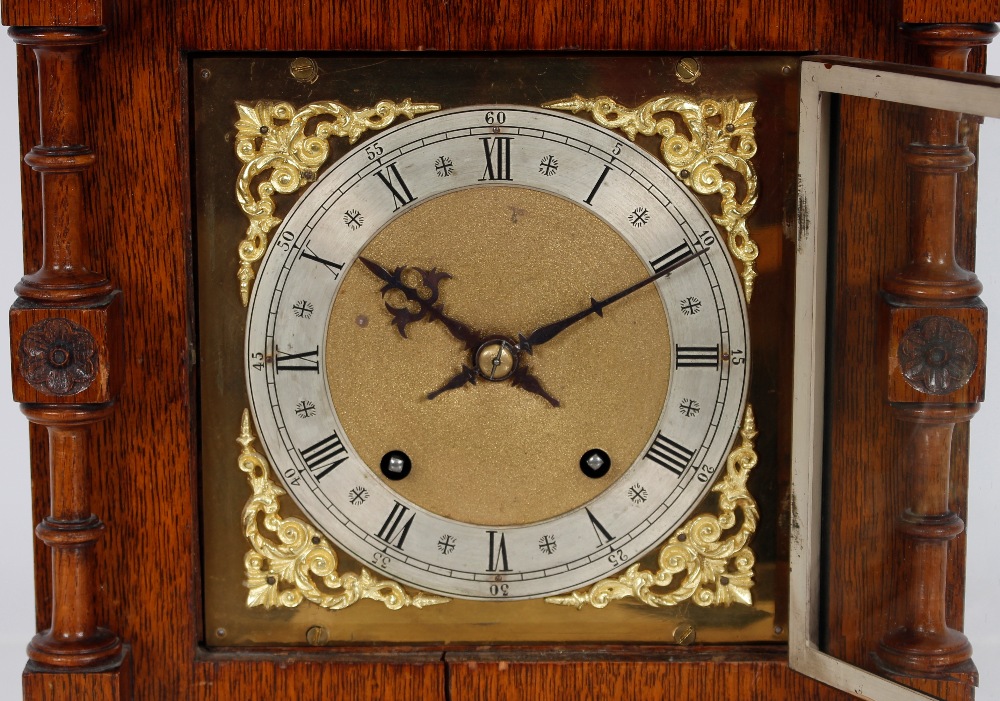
(499, 352)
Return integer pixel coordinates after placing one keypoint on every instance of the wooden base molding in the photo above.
(111, 681)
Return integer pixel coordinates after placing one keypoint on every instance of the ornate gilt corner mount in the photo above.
(299, 563)
(721, 135)
(700, 562)
(292, 144)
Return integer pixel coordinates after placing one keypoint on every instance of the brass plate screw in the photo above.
(685, 634)
(688, 69)
(304, 70)
(317, 635)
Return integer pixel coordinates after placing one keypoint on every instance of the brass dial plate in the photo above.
(219, 223)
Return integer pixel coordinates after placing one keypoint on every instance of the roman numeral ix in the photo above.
(307, 361)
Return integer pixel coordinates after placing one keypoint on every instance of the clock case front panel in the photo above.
(217, 82)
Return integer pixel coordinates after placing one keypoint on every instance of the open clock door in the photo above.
(932, 349)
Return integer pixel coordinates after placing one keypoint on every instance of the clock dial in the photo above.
(443, 373)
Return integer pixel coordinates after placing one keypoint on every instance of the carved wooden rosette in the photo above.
(65, 336)
(934, 334)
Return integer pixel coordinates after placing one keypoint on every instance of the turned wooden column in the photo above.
(934, 326)
(65, 337)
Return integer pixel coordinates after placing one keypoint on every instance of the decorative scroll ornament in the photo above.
(697, 563)
(58, 357)
(937, 355)
(301, 565)
(721, 135)
(292, 144)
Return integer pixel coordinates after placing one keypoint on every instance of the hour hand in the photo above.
(466, 376)
(411, 294)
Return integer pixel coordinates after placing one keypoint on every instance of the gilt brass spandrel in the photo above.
(283, 147)
(708, 560)
(296, 565)
(451, 82)
(716, 138)
(289, 561)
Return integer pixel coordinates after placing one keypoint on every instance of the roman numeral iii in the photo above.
(696, 356)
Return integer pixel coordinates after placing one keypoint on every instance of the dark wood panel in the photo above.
(244, 676)
(508, 25)
(931, 11)
(52, 13)
(111, 684)
(476, 679)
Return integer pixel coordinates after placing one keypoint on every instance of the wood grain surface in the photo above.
(145, 485)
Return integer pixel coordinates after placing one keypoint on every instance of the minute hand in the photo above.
(546, 333)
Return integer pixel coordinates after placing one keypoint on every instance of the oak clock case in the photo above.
(446, 240)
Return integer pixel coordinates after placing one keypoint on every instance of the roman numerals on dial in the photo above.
(390, 177)
(597, 186)
(696, 356)
(670, 257)
(603, 537)
(307, 361)
(497, 151)
(396, 526)
(498, 553)
(323, 456)
(669, 454)
(462, 177)
(332, 266)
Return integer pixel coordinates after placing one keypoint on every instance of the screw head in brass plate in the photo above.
(688, 70)
(304, 70)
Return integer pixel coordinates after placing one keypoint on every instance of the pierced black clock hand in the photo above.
(494, 358)
(465, 376)
(427, 303)
(546, 333)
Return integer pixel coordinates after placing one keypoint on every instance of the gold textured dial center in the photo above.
(496, 453)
